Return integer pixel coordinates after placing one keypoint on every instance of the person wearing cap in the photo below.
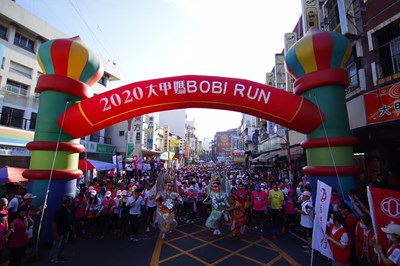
(93, 206)
(28, 197)
(392, 255)
(276, 199)
(106, 209)
(19, 239)
(339, 240)
(259, 203)
(306, 216)
(61, 228)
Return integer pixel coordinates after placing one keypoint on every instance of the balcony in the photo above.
(20, 91)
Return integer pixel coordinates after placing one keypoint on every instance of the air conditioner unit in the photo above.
(361, 79)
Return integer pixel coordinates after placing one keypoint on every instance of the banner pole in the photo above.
(312, 257)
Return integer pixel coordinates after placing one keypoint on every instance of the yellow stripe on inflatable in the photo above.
(303, 50)
(78, 58)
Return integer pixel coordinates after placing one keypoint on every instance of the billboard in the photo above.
(223, 143)
(239, 156)
(150, 134)
(383, 104)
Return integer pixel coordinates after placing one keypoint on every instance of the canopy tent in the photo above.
(89, 164)
(11, 175)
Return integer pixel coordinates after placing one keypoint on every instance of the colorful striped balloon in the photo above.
(70, 58)
(318, 50)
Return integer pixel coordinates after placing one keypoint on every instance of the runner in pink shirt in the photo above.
(80, 205)
(259, 200)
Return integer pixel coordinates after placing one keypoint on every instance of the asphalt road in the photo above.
(189, 244)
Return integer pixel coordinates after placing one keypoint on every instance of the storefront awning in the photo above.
(266, 157)
(146, 152)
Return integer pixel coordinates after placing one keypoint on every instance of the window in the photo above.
(16, 87)
(95, 138)
(387, 42)
(332, 19)
(122, 133)
(23, 42)
(20, 70)
(3, 32)
(352, 68)
(11, 117)
(32, 125)
(103, 80)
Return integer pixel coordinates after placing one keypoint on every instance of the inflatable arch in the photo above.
(68, 110)
(150, 96)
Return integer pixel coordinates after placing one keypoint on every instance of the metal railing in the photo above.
(16, 90)
(99, 139)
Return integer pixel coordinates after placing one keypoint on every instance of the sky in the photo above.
(150, 39)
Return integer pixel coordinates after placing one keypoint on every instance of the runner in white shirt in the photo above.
(151, 205)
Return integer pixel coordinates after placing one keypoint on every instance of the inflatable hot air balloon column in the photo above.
(69, 70)
(317, 63)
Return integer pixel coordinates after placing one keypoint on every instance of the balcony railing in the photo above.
(100, 139)
(16, 90)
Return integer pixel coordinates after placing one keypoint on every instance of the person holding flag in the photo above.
(339, 239)
(392, 255)
(383, 205)
(364, 234)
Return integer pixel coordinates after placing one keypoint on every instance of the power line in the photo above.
(93, 35)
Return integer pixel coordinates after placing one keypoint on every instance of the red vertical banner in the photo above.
(384, 205)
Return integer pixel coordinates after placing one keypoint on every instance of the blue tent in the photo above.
(89, 164)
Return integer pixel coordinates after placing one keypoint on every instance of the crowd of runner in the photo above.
(120, 206)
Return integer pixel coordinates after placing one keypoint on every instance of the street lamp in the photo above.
(283, 133)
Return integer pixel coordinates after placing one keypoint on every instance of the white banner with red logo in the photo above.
(384, 205)
(323, 198)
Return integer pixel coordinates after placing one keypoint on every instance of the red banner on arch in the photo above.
(138, 98)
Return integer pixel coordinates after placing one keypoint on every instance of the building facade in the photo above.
(21, 34)
(373, 100)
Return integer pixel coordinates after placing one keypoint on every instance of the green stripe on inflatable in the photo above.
(64, 160)
(339, 156)
(45, 56)
(49, 111)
